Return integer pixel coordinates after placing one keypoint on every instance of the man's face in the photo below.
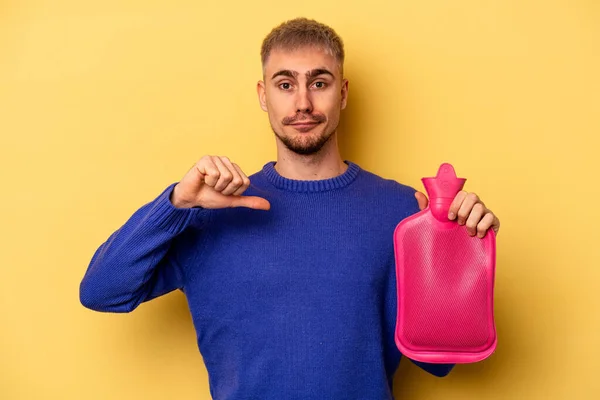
(303, 93)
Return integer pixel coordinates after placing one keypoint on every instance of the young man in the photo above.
(289, 274)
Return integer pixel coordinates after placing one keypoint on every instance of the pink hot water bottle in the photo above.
(445, 281)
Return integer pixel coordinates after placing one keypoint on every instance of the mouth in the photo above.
(304, 126)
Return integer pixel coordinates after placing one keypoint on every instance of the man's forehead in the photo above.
(301, 60)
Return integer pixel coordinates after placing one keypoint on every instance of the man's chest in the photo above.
(278, 266)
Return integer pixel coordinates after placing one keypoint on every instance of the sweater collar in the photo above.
(321, 185)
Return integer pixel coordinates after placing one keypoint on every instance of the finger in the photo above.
(422, 200)
(475, 216)
(245, 179)
(486, 222)
(208, 170)
(496, 225)
(236, 181)
(465, 208)
(257, 203)
(455, 206)
(225, 175)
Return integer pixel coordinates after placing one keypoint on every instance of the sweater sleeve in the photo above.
(138, 262)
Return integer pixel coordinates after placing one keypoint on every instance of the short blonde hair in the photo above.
(301, 32)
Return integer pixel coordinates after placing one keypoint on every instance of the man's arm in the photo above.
(439, 370)
(138, 261)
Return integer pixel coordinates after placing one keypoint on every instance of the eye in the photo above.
(285, 85)
(320, 85)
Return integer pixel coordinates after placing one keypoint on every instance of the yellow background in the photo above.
(104, 103)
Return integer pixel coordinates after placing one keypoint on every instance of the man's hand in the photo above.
(215, 182)
(470, 210)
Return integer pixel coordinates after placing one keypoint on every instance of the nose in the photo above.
(303, 103)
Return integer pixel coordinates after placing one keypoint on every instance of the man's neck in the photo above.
(325, 164)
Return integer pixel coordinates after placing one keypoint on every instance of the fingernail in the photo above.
(451, 215)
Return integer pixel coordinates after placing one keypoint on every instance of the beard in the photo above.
(304, 144)
(308, 143)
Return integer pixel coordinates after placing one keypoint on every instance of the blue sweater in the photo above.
(298, 302)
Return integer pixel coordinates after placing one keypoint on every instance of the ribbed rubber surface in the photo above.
(445, 291)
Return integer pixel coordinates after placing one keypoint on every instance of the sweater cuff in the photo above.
(165, 215)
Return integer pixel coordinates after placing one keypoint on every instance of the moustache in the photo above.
(318, 118)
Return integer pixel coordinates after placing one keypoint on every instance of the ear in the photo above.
(344, 93)
(262, 95)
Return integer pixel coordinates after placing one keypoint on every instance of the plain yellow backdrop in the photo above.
(104, 103)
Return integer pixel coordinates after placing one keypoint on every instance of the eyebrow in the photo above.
(317, 72)
(310, 74)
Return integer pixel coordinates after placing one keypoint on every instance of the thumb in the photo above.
(257, 203)
(422, 200)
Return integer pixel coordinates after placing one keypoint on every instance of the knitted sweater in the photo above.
(298, 302)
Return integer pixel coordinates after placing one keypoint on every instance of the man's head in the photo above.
(303, 89)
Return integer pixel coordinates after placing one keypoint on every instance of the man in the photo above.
(289, 274)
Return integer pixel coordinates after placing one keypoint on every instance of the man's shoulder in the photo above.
(395, 200)
(387, 185)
